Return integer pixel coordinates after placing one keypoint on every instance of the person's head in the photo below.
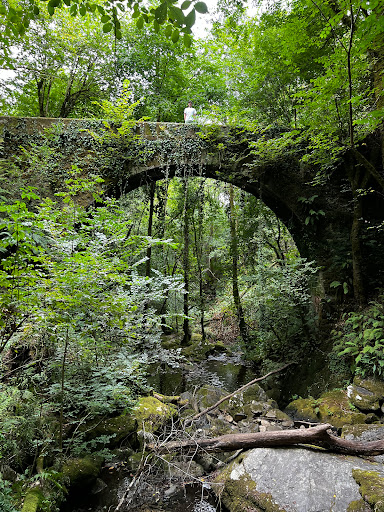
(189, 103)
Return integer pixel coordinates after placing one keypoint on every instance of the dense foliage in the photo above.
(90, 284)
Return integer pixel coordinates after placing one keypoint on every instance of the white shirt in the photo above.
(189, 114)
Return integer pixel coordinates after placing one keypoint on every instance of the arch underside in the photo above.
(258, 188)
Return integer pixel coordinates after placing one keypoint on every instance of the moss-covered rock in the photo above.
(118, 429)
(241, 495)
(371, 488)
(303, 409)
(334, 408)
(363, 432)
(208, 395)
(363, 398)
(359, 506)
(82, 471)
(242, 402)
(374, 386)
(151, 414)
(32, 500)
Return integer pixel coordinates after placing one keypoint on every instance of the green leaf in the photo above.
(185, 4)
(156, 26)
(67, 2)
(190, 19)
(335, 284)
(82, 10)
(118, 34)
(54, 3)
(168, 31)
(36, 10)
(51, 9)
(105, 18)
(175, 35)
(201, 7)
(100, 8)
(187, 40)
(161, 13)
(140, 23)
(107, 28)
(176, 14)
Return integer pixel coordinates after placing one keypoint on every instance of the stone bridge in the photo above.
(320, 218)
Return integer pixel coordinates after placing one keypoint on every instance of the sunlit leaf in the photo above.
(201, 7)
(175, 35)
(107, 27)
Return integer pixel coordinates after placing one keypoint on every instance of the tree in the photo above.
(16, 17)
(61, 67)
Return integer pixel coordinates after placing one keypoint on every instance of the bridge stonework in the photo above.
(319, 217)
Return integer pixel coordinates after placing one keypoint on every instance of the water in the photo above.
(228, 372)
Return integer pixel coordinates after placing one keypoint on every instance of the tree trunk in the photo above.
(150, 226)
(186, 329)
(234, 255)
(320, 435)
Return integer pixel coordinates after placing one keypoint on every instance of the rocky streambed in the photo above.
(294, 479)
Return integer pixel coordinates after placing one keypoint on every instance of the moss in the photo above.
(242, 496)
(371, 488)
(119, 428)
(151, 414)
(208, 395)
(334, 408)
(358, 506)
(303, 409)
(374, 386)
(82, 471)
(32, 500)
(363, 431)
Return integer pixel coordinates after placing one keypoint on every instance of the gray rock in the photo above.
(301, 480)
(362, 398)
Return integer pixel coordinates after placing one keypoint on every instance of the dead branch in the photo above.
(319, 436)
(197, 416)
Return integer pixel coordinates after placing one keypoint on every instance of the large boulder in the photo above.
(294, 480)
(151, 414)
(366, 394)
(332, 407)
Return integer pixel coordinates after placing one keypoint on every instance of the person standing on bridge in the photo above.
(189, 113)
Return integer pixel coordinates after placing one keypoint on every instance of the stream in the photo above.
(221, 370)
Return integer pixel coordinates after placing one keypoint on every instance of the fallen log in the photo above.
(188, 421)
(320, 435)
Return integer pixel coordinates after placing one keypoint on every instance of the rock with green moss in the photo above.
(114, 430)
(359, 506)
(82, 471)
(371, 488)
(209, 395)
(151, 414)
(303, 409)
(32, 500)
(242, 401)
(241, 494)
(373, 385)
(295, 479)
(363, 432)
(366, 394)
(334, 408)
